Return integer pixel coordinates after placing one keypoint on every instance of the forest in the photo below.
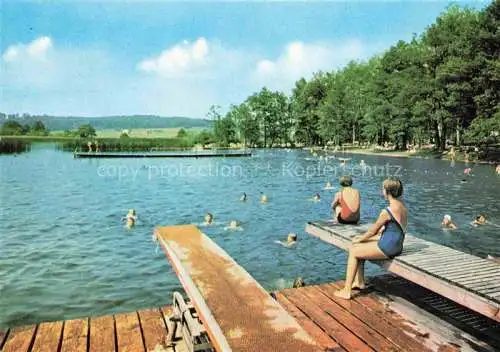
(442, 88)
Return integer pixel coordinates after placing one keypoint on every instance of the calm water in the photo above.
(65, 253)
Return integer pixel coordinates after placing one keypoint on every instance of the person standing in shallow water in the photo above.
(347, 203)
(392, 224)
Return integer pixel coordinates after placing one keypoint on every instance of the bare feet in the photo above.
(344, 294)
(358, 286)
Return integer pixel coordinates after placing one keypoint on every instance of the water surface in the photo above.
(65, 252)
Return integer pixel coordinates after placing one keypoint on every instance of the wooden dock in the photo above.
(466, 279)
(393, 315)
(180, 154)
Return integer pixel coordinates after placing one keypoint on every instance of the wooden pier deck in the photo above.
(466, 279)
(393, 315)
(181, 154)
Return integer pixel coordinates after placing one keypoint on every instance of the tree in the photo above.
(181, 133)
(12, 128)
(38, 129)
(204, 137)
(86, 131)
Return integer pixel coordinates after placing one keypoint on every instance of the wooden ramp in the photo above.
(238, 314)
(466, 279)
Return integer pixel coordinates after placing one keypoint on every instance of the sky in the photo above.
(97, 58)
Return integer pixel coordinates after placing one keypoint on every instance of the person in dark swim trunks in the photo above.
(346, 204)
(391, 225)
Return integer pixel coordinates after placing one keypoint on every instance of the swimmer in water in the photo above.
(480, 220)
(131, 218)
(298, 282)
(467, 171)
(263, 198)
(328, 185)
(463, 180)
(447, 223)
(316, 197)
(290, 240)
(209, 218)
(234, 225)
(497, 170)
(243, 197)
(362, 163)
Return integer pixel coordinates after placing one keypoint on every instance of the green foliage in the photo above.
(12, 128)
(128, 144)
(182, 133)
(441, 87)
(86, 131)
(204, 137)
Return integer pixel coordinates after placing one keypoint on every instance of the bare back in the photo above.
(351, 200)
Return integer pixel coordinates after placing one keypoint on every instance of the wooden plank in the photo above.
(20, 339)
(153, 328)
(128, 333)
(431, 258)
(468, 275)
(322, 338)
(448, 266)
(75, 335)
(485, 286)
(397, 335)
(399, 295)
(48, 337)
(343, 336)
(488, 306)
(237, 312)
(3, 337)
(366, 333)
(443, 270)
(102, 334)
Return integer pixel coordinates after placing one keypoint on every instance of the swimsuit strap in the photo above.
(394, 220)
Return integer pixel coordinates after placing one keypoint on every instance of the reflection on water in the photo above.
(65, 252)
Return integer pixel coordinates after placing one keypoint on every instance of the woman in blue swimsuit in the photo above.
(389, 229)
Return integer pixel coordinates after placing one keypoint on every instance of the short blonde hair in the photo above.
(393, 186)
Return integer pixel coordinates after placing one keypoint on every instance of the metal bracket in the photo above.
(192, 330)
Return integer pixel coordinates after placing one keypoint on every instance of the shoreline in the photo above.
(418, 155)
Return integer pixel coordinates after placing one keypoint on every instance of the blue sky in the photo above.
(94, 58)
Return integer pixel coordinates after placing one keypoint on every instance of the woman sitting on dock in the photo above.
(391, 224)
(346, 204)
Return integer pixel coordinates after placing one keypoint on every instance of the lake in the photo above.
(65, 252)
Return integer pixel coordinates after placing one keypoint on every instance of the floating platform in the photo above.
(186, 154)
(392, 315)
(464, 278)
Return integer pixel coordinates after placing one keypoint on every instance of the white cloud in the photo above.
(301, 59)
(37, 50)
(178, 60)
(184, 79)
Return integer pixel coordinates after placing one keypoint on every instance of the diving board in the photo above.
(237, 313)
(468, 280)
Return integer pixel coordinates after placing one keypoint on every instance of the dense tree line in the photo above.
(442, 87)
(14, 128)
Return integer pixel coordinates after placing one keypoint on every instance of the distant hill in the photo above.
(62, 123)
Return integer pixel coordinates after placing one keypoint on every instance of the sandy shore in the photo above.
(403, 154)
